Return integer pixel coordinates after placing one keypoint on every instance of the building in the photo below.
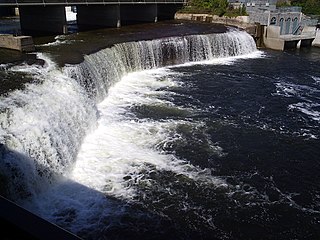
(282, 27)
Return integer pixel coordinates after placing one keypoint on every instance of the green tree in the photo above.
(282, 3)
(312, 7)
(308, 6)
(218, 7)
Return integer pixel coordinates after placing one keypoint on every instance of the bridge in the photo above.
(49, 16)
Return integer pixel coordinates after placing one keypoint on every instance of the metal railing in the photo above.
(84, 2)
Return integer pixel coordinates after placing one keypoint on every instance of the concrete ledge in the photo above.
(240, 21)
(22, 224)
(20, 43)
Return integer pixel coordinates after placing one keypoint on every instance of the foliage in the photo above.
(215, 7)
(283, 3)
(310, 7)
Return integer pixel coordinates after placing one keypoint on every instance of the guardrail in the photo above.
(84, 2)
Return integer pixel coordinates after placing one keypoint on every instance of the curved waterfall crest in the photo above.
(104, 68)
(42, 126)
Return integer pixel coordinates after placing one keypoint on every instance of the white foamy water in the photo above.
(60, 40)
(307, 108)
(123, 146)
(316, 79)
(42, 126)
(303, 93)
(119, 155)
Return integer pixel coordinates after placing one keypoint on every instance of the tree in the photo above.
(312, 7)
(282, 3)
(308, 6)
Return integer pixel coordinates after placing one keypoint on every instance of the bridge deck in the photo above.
(18, 3)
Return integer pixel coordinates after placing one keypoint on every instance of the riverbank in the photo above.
(241, 22)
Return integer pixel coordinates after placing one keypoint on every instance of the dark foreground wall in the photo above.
(7, 11)
(17, 223)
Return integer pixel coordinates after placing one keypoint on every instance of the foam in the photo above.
(124, 145)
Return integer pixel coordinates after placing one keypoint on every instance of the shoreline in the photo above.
(241, 22)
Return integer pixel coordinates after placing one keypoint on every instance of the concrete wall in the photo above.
(21, 43)
(288, 21)
(316, 41)
(140, 13)
(7, 11)
(51, 19)
(271, 38)
(43, 19)
(97, 16)
(167, 12)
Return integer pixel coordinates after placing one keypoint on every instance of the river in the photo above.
(163, 131)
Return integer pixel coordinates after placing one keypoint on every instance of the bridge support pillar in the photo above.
(139, 13)
(43, 19)
(7, 11)
(98, 16)
(167, 11)
(306, 42)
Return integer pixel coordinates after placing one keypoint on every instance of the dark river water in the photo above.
(182, 137)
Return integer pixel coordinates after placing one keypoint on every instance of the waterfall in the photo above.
(102, 69)
(43, 125)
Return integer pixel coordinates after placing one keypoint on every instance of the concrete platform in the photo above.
(273, 40)
(20, 43)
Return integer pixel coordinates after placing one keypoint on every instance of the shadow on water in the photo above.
(104, 218)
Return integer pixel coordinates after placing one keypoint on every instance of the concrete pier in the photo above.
(97, 16)
(43, 19)
(274, 40)
(20, 43)
(166, 12)
(139, 13)
(7, 11)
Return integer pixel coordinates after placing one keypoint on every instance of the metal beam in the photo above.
(18, 3)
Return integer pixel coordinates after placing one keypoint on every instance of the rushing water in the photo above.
(196, 137)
